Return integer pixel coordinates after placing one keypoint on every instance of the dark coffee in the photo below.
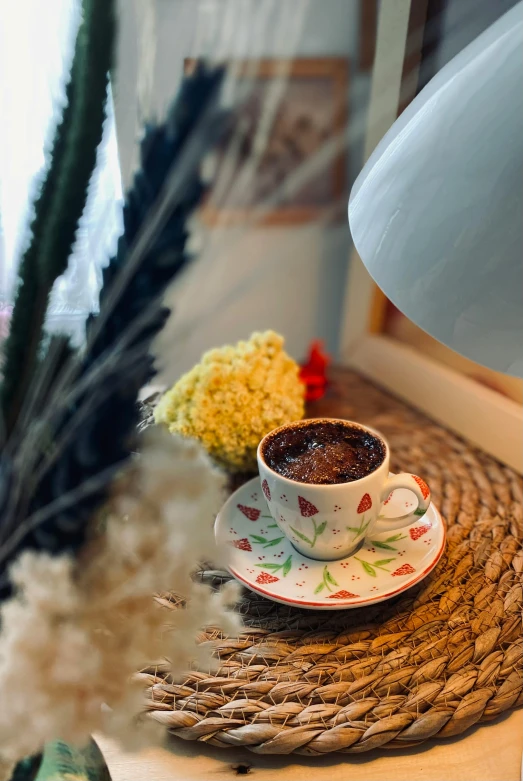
(323, 452)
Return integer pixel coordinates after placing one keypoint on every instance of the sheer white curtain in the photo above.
(36, 47)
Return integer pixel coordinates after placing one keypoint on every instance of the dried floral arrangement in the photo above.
(97, 518)
(233, 397)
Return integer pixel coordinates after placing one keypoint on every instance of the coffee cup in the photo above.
(330, 520)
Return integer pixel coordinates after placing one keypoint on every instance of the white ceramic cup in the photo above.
(329, 522)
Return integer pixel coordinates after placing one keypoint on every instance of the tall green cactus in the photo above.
(61, 202)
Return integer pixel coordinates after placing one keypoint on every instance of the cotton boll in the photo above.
(6, 769)
(74, 634)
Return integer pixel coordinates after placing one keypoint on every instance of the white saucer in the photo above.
(266, 562)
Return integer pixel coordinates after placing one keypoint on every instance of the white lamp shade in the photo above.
(437, 212)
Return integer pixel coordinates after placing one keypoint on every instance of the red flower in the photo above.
(242, 544)
(425, 490)
(418, 531)
(266, 490)
(365, 504)
(342, 595)
(313, 372)
(265, 577)
(250, 512)
(307, 509)
(405, 569)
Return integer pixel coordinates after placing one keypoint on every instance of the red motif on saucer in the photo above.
(242, 544)
(405, 569)
(342, 595)
(418, 531)
(250, 512)
(265, 577)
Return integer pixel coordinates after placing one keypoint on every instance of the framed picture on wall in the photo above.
(284, 152)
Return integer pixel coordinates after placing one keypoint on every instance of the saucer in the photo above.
(265, 561)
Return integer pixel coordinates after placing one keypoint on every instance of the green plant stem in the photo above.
(31, 298)
(62, 201)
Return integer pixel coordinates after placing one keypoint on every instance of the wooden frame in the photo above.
(484, 416)
(367, 33)
(364, 302)
(336, 70)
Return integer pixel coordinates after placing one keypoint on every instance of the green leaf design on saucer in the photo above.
(273, 567)
(327, 581)
(386, 545)
(370, 569)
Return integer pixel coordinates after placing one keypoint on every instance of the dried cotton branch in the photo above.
(74, 635)
(6, 769)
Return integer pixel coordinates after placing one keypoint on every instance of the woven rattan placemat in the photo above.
(442, 657)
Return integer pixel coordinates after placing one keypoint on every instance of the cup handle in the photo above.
(418, 487)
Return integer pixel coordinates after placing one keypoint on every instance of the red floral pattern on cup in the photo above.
(242, 544)
(266, 490)
(418, 531)
(307, 509)
(365, 504)
(343, 595)
(425, 490)
(252, 513)
(405, 569)
(265, 577)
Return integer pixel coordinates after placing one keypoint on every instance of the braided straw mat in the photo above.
(445, 655)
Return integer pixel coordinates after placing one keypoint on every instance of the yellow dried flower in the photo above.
(235, 396)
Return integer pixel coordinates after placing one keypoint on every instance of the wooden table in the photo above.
(491, 752)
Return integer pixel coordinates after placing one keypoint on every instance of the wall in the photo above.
(464, 20)
(290, 278)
